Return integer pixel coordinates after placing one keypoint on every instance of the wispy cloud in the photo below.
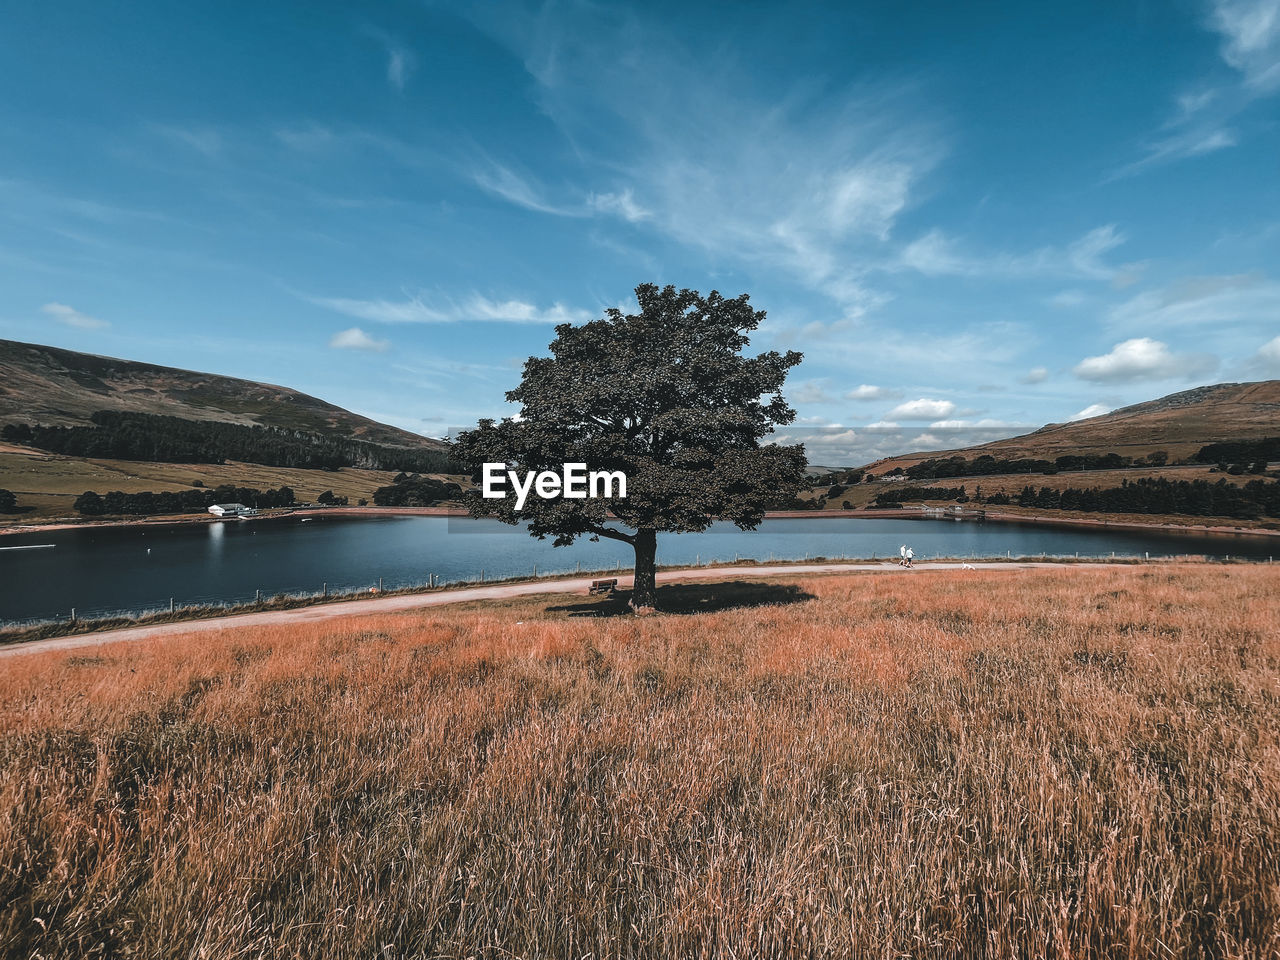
(517, 188)
(622, 204)
(1143, 358)
(474, 308)
(812, 184)
(1203, 119)
(936, 254)
(399, 64)
(869, 391)
(72, 317)
(357, 339)
(1222, 301)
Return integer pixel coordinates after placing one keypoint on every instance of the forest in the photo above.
(155, 438)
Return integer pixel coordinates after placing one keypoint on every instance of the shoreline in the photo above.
(889, 514)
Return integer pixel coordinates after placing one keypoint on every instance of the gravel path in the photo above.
(499, 591)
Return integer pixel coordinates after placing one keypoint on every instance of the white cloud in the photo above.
(882, 425)
(1143, 359)
(1268, 355)
(869, 391)
(475, 308)
(622, 204)
(357, 339)
(1035, 375)
(1093, 410)
(73, 317)
(1250, 32)
(922, 409)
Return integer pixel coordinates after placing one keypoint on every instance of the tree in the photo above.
(90, 504)
(8, 501)
(665, 396)
(326, 498)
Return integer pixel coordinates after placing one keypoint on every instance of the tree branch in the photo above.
(611, 533)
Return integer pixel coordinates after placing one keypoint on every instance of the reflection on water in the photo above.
(108, 569)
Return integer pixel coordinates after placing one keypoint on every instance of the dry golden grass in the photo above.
(1065, 763)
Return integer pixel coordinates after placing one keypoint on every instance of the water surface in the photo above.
(130, 569)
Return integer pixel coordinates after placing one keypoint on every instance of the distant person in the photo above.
(909, 557)
(902, 555)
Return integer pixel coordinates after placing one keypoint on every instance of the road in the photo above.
(498, 591)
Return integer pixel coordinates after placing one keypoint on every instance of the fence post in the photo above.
(482, 574)
(171, 604)
(324, 589)
(257, 595)
(73, 614)
(535, 571)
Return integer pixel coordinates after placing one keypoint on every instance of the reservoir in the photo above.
(135, 568)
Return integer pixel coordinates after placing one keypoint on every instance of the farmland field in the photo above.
(1071, 763)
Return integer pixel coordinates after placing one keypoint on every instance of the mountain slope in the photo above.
(56, 387)
(1179, 424)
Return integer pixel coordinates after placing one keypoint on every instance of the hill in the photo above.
(55, 387)
(1179, 424)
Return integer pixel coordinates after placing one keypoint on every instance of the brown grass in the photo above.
(1067, 763)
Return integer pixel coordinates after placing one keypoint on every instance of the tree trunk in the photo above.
(644, 589)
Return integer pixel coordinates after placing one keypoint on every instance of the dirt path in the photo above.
(499, 591)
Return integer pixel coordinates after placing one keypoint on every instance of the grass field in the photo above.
(1060, 763)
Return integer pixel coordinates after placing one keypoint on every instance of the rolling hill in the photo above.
(55, 387)
(1180, 424)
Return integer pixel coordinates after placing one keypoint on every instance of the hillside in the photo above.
(56, 387)
(1179, 424)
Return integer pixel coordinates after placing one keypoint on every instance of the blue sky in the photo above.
(971, 221)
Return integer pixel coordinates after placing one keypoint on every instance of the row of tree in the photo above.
(1196, 498)
(415, 491)
(895, 497)
(119, 435)
(117, 503)
(985, 465)
(1240, 451)
(8, 501)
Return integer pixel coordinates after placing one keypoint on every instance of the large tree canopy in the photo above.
(664, 395)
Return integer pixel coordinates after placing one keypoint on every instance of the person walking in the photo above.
(909, 557)
(902, 555)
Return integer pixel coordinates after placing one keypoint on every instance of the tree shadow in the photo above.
(687, 598)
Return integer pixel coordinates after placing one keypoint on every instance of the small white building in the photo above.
(232, 510)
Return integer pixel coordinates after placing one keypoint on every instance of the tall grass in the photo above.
(1055, 763)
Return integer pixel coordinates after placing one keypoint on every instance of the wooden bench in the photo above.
(603, 586)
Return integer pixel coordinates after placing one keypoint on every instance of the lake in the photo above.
(135, 568)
